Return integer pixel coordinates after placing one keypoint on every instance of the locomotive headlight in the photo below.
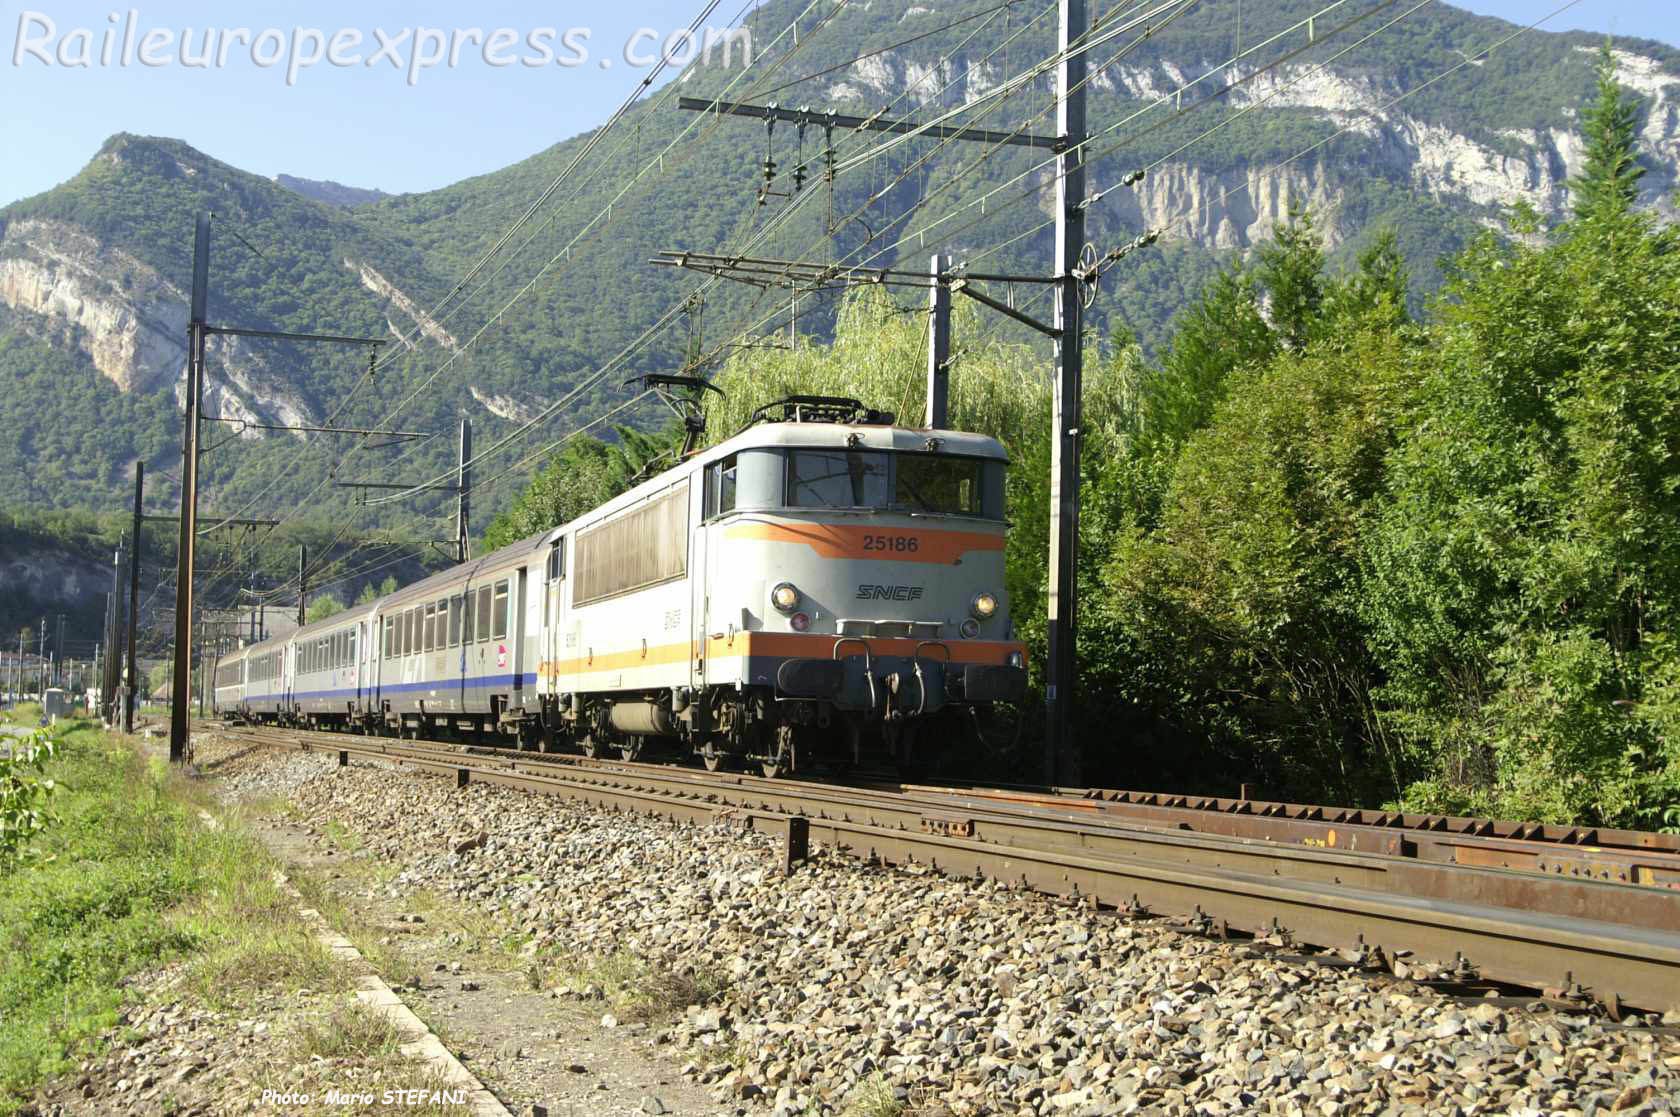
(785, 597)
(983, 606)
(970, 628)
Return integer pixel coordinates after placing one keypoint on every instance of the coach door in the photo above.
(718, 488)
(361, 641)
(553, 620)
(520, 636)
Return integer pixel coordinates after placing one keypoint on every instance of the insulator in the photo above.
(1134, 177)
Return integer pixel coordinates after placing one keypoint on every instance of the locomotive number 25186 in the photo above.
(890, 542)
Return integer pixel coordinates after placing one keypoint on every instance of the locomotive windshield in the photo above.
(929, 484)
(837, 479)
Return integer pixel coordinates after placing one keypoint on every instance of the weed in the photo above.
(873, 1097)
(342, 836)
(636, 988)
(352, 1030)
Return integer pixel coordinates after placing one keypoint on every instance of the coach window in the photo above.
(454, 620)
(484, 593)
(431, 627)
(352, 645)
(442, 622)
(467, 618)
(499, 613)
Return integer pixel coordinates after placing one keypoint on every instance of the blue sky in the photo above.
(371, 126)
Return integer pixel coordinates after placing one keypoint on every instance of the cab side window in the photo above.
(721, 484)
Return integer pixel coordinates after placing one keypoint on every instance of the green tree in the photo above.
(1239, 609)
(1525, 560)
(1608, 184)
(322, 607)
(1375, 290)
(1291, 268)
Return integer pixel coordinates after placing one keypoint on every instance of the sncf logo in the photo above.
(889, 593)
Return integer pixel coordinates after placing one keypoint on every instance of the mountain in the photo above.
(331, 193)
(93, 273)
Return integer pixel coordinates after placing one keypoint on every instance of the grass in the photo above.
(873, 1097)
(342, 837)
(133, 880)
(635, 988)
(355, 1049)
(351, 1031)
(24, 713)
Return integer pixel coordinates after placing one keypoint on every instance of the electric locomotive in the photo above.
(822, 588)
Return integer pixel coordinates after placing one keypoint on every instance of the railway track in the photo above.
(1587, 918)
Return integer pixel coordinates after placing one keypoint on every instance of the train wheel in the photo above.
(590, 745)
(783, 755)
(714, 758)
(631, 747)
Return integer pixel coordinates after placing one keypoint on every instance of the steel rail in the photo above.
(1041, 826)
(1624, 856)
(1613, 942)
(1627, 857)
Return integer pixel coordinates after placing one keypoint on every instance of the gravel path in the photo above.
(860, 987)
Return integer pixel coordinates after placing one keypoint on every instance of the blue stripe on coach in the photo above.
(529, 678)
